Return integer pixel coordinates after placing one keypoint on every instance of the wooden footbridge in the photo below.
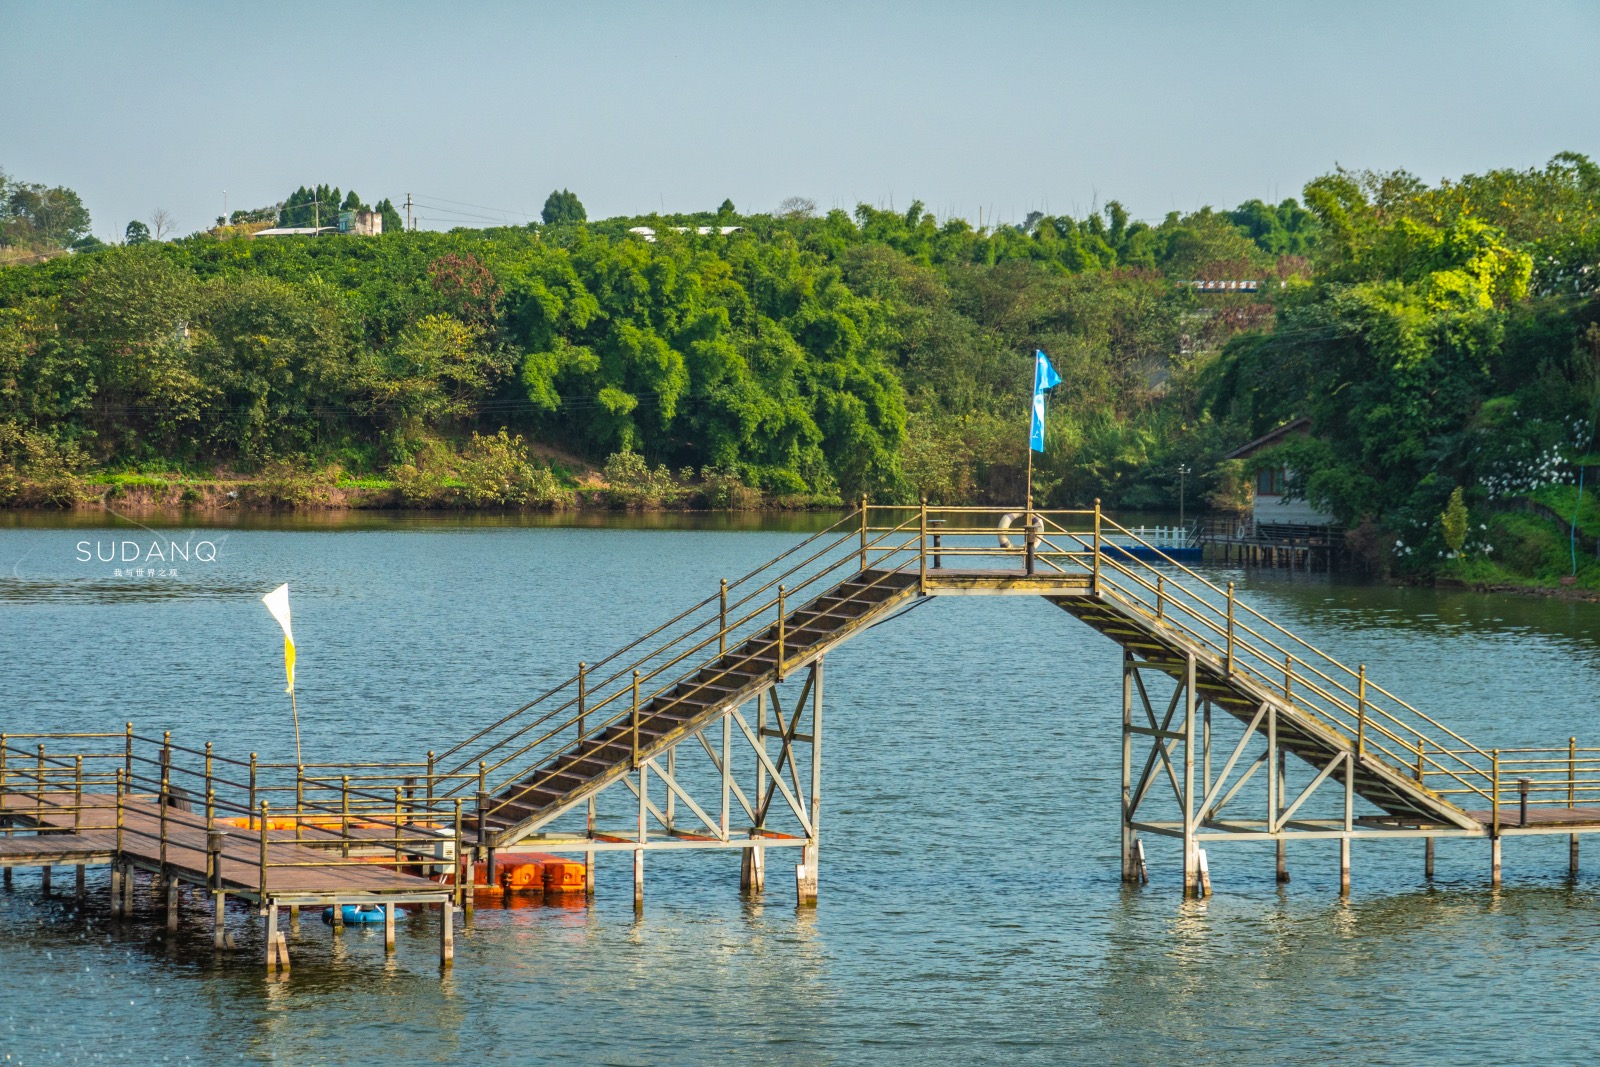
(707, 733)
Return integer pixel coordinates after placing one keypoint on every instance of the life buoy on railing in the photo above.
(1036, 524)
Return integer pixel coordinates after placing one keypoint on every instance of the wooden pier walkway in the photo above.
(709, 730)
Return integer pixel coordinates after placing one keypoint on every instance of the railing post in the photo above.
(1422, 748)
(922, 547)
(1161, 596)
(127, 754)
(1095, 583)
(210, 789)
(863, 531)
(250, 806)
(122, 789)
(1572, 770)
(299, 797)
(399, 818)
(77, 793)
(1523, 785)
(722, 618)
(344, 814)
(635, 730)
(1230, 630)
(1494, 804)
(163, 801)
(38, 788)
(1361, 713)
(430, 779)
(262, 887)
(782, 624)
(583, 695)
(2, 764)
(1288, 676)
(456, 859)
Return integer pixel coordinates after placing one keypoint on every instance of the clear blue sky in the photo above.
(639, 106)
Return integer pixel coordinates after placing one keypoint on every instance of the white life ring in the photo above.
(1036, 524)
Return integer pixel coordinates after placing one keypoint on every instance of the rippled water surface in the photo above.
(970, 903)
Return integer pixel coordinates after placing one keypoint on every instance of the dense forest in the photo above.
(1440, 337)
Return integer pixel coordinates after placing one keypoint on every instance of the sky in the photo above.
(480, 109)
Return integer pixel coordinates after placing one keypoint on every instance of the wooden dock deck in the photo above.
(281, 867)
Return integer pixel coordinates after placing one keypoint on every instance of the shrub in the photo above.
(37, 469)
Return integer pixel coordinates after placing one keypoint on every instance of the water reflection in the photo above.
(970, 904)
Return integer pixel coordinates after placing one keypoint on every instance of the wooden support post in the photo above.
(1344, 866)
(1191, 849)
(116, 888)
(219, 916)
(806, 872)
(1205, 874)
(447, 934)
(638, 853)
(272, 934)
(588, 857)
(1494, 863)
(1427, 858)
(80, 887)
(388, 927)
(44, 879)
(127, 890)
(1572, 855)
(752, 871)
(172, 903)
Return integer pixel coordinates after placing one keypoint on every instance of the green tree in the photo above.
(392, 222)
(562, 208)
(137, 233)
(40, 217)
(1453, 521)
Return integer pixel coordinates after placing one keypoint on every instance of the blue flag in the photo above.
(1044, 376)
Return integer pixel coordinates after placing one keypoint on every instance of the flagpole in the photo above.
(294, 709)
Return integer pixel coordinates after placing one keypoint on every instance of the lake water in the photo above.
(970, 906)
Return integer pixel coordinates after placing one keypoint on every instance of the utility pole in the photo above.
(410, 225)
(1183, 475)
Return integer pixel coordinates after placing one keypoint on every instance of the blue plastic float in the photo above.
(354, 914)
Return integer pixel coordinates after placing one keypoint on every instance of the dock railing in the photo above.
(746, 627)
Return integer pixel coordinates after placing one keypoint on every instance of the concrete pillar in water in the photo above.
(752, 871)
(219, 914)
(272, 937)
(805, 877)
(447, 942)
(1283, 860)
(80, 889)
(1572, 856)
(44, 878)
(1494, 862)
(116, 890)
(1427, 858)
(1344, 866)
(388, 927)
(172, 903)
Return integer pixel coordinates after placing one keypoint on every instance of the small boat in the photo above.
(354, 914)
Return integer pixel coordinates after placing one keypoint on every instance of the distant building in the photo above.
(354, 223)
(1272, 480)
(650, 235)
(361, 223)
